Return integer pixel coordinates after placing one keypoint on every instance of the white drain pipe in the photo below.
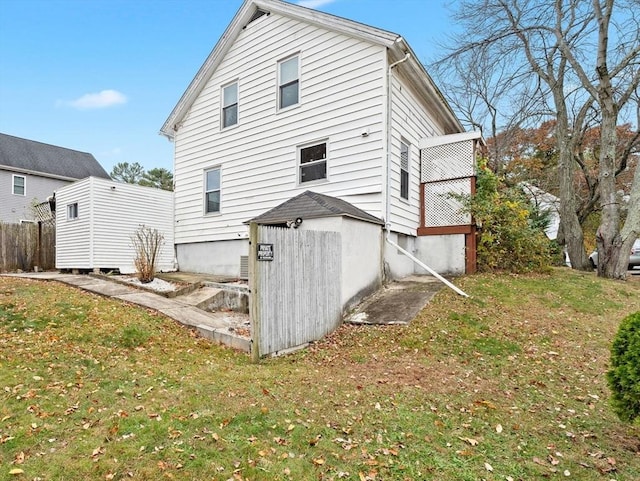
(427, 268)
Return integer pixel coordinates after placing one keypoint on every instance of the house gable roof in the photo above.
(29, 156)
(396, 45)
(311, 205)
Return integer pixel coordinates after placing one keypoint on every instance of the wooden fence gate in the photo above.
(295, 283)
(28, 245)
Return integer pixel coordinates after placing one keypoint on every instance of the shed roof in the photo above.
(311, 205)
(29, 156)
(250, 9)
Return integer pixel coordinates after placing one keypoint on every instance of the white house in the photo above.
(95, 219)
(293, 100)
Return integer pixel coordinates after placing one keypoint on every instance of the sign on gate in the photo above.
(265, 252)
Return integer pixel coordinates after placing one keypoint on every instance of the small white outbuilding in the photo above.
(96, 218)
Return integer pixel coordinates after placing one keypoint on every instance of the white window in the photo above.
(312, 162)
(404, 170)
(72, 211)
(288, 82)
(230, 105)
(19, 185)
(212, 191)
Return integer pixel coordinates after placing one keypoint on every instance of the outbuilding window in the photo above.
(19, 185)
(313, 162)
(230, 105)
(212, 191)
(72, 211)
(288, 82)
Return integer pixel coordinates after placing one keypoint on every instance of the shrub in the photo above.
(511, 236)
(624, 375)
(146, 243)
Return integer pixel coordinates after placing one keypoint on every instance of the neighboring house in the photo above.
(545, 202)
(293, 100)
(31, 171)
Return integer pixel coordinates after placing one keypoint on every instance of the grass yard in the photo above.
(507, 385)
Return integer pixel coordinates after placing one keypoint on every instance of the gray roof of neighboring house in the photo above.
(49, 160)
(310, 205)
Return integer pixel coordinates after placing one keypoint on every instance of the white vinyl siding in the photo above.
(411, 121)
(342, 87)
(19, 185)
(229, 110)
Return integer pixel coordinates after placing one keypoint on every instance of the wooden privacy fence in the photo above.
(295, 282)
(25, 246)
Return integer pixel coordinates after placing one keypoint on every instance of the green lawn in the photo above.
(507, 385)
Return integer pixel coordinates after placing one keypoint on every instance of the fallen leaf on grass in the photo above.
(488, 467)
(470, 441)
(16, 471)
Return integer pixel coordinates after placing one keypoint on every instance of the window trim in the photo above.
(407, 171)
(299, 163)
(223, 106)
(13, 184)
(73, 211)
(279, 85)
(219, 190)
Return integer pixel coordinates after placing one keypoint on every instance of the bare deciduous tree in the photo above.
(581, 54)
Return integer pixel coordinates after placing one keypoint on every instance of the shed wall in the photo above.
(101, 237)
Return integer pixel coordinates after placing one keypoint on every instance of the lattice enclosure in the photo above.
(43, 212)
(447, 161)
(440, 208)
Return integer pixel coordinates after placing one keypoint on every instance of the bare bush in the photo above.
(147, 243)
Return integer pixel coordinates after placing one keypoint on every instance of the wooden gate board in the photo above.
(295, 283)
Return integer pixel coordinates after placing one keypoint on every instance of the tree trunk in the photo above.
(570, 224)
(608, 235)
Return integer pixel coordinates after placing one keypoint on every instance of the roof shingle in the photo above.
(310, 205)
(46, 159)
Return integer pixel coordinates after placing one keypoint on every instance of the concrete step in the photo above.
(200, 298)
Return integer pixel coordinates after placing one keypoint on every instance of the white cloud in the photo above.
(100, 100)
(314, 3)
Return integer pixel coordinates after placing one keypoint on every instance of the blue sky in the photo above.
(102, 76)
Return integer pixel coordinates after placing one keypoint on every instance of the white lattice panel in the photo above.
(43, 212)
(440, 208)
(447, 161)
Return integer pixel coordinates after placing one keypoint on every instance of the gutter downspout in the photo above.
(389, 132)
(427, 268)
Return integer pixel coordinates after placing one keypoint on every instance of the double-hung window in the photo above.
(212, 191)
(313, 162)
(288, 82)
(404, 170)
(19, 185)
(230, 105)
